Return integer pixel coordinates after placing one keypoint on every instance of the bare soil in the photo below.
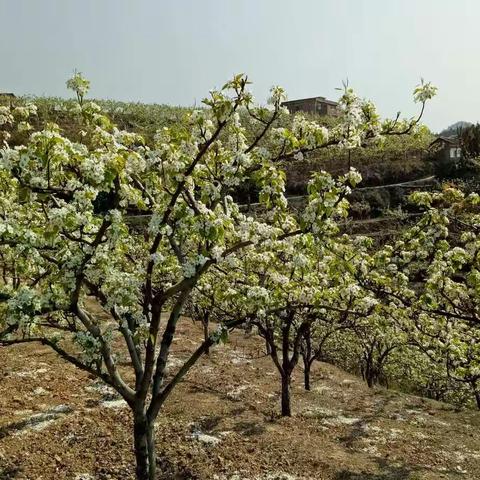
(222, 423)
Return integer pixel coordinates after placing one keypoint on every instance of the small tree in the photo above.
(286, 292)
(272, 293)
(316, 337)
(378, 338)
(340, 305)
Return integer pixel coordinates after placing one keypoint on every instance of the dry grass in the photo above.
(223, 421)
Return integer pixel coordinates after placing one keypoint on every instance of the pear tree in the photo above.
(63, 256)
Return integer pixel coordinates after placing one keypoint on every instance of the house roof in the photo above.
(330, 102)
(453, 140)
(321, 99)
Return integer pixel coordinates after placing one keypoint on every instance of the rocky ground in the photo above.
(222, 424)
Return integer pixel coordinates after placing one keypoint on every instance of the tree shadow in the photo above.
(388, 472)
(170, 470)
(394, 473)
(9, 470)
(210, 423)
(359, 429)
(199, 387)
(249, 429)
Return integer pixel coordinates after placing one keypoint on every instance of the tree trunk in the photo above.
(369, 375)
(287, 367)
(306, 375)
(476, 392)
(307, 355)
(206, 334)
(268, 347)
(306, 372)
(362, 371)
(144, 448)
(369, 372)
(477, 398)
(286, 410)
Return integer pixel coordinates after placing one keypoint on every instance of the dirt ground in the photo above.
(222, 423)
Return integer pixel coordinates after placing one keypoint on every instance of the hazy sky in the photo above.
(174, 51)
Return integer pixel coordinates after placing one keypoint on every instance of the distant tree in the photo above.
(470, 141)
(432, 272)
(455, 128)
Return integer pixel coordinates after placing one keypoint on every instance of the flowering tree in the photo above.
(447, 326)
(280, 291)
(430, 275)
(361, 328)
(304, 299)
(340, 304)
(62, 255)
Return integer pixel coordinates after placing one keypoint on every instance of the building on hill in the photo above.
(446, 148)
(5, 94)
(318, 105)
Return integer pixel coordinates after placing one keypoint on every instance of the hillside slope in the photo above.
(222, 423)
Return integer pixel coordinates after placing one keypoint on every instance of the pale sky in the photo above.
(175, 51)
